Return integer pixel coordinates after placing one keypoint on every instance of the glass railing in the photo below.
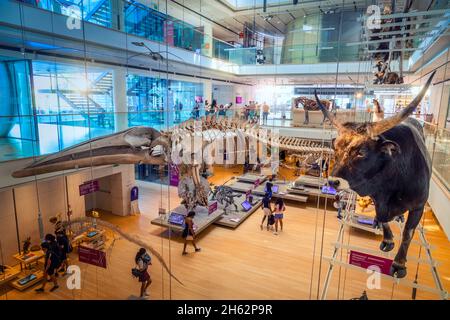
(137, 19)
(296, 54)
(438, 144)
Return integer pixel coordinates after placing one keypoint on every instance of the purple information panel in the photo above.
(92, 256)
(212, 207)
(364, 260)
(89, 187)
(174, 175)
(134, 193)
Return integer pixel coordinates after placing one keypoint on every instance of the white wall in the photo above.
(439, 96)
(49, 195)
(439, 201)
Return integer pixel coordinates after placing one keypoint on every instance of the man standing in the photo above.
(266, 110)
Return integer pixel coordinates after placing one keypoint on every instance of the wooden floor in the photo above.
(245, 263)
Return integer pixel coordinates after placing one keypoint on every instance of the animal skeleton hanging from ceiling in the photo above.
(185, 145)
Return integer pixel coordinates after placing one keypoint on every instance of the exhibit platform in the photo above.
(233, 218)
(299, 190)
(252, 178)
(203, 218)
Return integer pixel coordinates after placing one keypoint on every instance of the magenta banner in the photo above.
(212, 207)
(89, 187)
(169, 32)
(92, 256)
(238, 100)
(174, 175)
(364, 260)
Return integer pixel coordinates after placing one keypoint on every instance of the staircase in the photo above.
(91, 105)
(100, 14)
(140, 21)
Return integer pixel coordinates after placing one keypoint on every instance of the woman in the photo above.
(213, 107)
(188, 232)
(279, 209)
(267, 210)
(143, 260)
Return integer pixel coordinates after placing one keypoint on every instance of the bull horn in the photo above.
(379, 127)
(327, 114)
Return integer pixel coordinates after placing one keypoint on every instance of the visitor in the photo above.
(279, 209)
(266, 209)
(188, 232)
(178, 107)
(206, 107)
(51, 264)
(268, 188)
(213, 107)
(196, 110)
(64, 248)
(266, 110)
(143, 260)
(222, 110)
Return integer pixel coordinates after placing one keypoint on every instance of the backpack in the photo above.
(271, 220)
(135, 272)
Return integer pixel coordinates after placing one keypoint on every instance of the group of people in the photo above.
(274, 216)
(216, 109)
(252, 111)
(56, 248)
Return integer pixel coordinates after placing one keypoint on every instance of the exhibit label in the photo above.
(212, 207)
(366, 261)
(92, 256)
(89, 187)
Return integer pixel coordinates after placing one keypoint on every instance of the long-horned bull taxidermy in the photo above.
(388, 161)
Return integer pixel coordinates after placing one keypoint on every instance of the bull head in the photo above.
(135, 145)
(361, 151)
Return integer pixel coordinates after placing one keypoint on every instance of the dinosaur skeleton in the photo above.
(225, 195)
(145, 145)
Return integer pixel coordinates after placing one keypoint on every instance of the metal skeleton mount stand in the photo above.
(348, 220)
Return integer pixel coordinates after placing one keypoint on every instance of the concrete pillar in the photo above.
(207, 47)
(120, 99)
(207, 90)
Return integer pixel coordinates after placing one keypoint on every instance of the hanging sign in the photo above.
(365, 261)
(92, 256)
(174, 175)
(89, 187)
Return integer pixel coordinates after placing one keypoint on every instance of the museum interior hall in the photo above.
(224, 149)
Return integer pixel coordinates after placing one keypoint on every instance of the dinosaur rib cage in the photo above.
(224, 124)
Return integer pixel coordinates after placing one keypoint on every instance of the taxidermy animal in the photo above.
(311, 105)
(26, 245)
(364, 202)
(387, 161)
(378, 112)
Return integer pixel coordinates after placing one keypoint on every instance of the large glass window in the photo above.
(159, 102)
